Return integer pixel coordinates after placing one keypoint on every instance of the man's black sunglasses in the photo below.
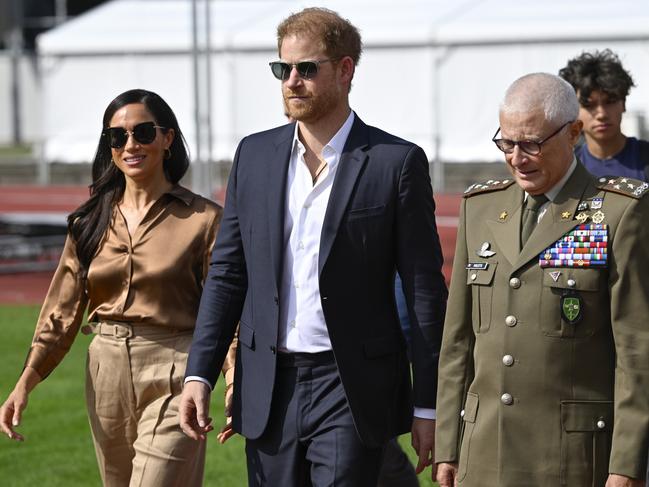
(144, 133)
(306, 69)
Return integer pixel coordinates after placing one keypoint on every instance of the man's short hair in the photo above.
(337, 36)
(601, 71)
(542, 91)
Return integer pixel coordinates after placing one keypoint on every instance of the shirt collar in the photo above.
(183, 194)
(337, 142)
(553, 192)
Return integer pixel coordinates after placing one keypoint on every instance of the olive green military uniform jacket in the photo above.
(544, 371)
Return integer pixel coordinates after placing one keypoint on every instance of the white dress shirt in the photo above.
(302, 326)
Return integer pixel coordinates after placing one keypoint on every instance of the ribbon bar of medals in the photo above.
(585, 246)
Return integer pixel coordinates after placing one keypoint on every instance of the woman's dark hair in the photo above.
(88, 223)
(601, 71)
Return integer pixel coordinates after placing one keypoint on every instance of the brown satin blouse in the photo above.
(154, 277)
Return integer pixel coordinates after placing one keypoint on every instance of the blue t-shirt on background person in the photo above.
(629, 162)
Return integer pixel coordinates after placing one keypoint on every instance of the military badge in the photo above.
(565, 215)
(571, 307)
(598, 216)
(582, 217)
(555, 275)
(503, 216)
(583, 206)
(596, 203)
(482, 266)
(484, 251)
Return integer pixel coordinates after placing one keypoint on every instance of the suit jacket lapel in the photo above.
(559, 218)
(506, 230)
(351, 162)
(276, 187)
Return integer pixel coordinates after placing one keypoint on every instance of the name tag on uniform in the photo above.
(482, 266)
(585, 246)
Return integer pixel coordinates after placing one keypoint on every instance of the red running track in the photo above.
(30, 288)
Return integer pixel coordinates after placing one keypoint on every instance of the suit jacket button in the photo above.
(273, 349)
(506, 399)
(511, 320)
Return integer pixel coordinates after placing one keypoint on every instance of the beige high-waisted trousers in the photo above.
(133, 382)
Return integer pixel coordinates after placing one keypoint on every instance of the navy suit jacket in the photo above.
(380, 218)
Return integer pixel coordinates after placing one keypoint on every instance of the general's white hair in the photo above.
(545, 91)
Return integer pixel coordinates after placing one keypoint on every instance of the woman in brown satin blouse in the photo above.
(135, 257)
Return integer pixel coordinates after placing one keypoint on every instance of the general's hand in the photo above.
(423, 441)
(194, 410)
(615, 480)
(447, 474)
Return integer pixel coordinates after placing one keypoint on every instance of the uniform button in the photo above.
(273, 349)
(511, 320)
(474, 276)
(601, 424)
(515, 282)
(506, 399)
(462, 413)
(571, 283)
(508, 360)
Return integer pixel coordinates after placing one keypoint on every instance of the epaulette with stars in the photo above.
(626, 186)
(487, 186)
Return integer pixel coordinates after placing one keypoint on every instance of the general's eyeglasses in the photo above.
(144, 133)
(531, 147)
(306, 69)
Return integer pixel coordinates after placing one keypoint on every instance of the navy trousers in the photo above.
(310, 440)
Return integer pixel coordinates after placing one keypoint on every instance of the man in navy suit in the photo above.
(319, 215)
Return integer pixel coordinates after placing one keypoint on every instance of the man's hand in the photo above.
(447, 474)
(194, 410)
(615, 480)
(423, 441)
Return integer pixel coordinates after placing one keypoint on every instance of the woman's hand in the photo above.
(12, 410)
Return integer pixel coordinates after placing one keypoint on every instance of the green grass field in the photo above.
(58, 448)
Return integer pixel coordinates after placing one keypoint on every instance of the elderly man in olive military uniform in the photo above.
(544, 368)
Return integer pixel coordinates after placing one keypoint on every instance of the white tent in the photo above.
(432, 71)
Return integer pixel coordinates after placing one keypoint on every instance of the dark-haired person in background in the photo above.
(602, 85)
(136, 257)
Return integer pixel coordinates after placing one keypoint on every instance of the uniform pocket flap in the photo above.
(471, 407)
(568, 278)
(385, 345)
(587, 415)
(246, 335)
(481, 277)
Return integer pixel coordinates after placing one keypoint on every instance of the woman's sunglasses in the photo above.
(144, 133)
(306, 69)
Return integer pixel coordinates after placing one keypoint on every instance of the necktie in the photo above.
(531, 215)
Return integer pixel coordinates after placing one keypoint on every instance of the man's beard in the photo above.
(313, 108)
